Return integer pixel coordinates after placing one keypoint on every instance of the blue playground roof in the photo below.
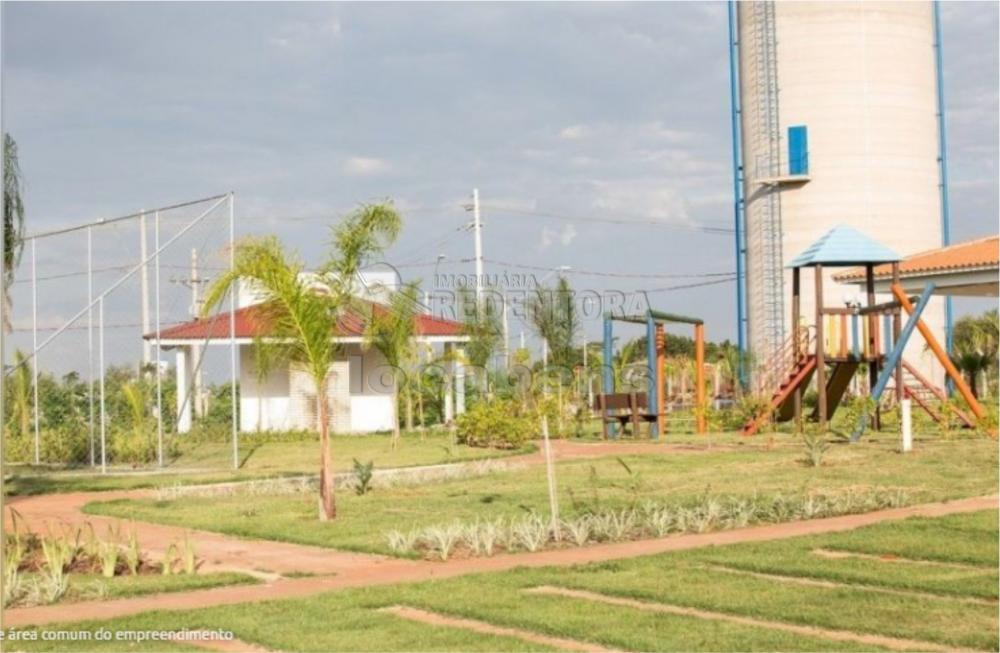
(844, 245)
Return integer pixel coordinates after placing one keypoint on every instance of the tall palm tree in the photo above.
(391, 332)
(13, 220)
(302, 313)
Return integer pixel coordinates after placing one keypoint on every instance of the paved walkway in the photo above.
(355, 570)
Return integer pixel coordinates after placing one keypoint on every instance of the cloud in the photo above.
(365, 166)
(564, 236)
(573, 132)
(301, 35)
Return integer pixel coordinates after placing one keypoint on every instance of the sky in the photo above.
(558, 113)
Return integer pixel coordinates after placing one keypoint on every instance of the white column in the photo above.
(449, 369)
(184, 363)
(907, 424)
(460, 383)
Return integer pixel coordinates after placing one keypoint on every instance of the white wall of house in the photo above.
(359, 393)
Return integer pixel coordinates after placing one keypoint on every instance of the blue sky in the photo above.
(305, 109)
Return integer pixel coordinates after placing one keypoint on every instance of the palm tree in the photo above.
(302, 313)
(391, 333)
(13, 220)
(20, 416)
(554, 317)
(975, 346)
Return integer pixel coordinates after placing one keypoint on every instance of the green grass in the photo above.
(936, 470)
(83, 587)
(349, 620)
(211, 462)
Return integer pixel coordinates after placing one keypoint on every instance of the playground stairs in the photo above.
(782, 402)
(840, 379)
(927, 396)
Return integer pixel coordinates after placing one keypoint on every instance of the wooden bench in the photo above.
(622, 409)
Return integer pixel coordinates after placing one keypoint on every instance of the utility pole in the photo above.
(144, 290)
(477, 234)
(194, 282)
(199, 407)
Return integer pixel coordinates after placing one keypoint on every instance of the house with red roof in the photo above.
(282, 396)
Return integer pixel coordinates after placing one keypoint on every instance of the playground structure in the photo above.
(649, 407)
(845, 337)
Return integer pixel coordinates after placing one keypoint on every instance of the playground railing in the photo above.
(775, 369)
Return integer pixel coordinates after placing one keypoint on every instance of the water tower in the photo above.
(836, 120)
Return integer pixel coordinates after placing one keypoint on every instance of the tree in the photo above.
(554, 317)
(975, 346)
(302, 312)
(13, 220)
(20, 397)
(391, 331)
(481, 322)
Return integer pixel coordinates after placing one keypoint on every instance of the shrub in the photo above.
(497, 424)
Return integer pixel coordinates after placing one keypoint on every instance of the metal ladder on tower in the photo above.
(764, 233)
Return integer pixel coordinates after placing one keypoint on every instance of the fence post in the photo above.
(100, 362)
(34, 350)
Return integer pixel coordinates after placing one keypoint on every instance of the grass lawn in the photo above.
(935, 470)
(83, 587)
(210, 462)
(869, 597)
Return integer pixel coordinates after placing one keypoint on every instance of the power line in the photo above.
(619, 221)
(596, 273)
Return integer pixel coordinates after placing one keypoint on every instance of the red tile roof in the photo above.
(252, 321)
(967, 256)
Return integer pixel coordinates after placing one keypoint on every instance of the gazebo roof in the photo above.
(843, 246)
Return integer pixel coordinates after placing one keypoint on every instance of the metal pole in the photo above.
(144, 288)
(34, 350)
(232, 327)
(100, 361)
(156, 298)
(120, 281)
(735, 115)
(943, 170)
(90, 342)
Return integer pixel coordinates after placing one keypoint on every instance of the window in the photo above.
(798, 150)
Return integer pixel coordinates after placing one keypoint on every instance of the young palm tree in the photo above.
(13, 220)
(391, 332)
(20, 415)
(302, 313)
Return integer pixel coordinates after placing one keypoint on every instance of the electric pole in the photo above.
(194, 282)
(477, 233)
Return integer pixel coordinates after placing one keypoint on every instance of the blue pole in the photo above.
(887, 334)
(653, 393)
(943, 170)
(889, 368)
(734, 102)
(608, 371)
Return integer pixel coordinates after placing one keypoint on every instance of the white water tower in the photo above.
(837, 116)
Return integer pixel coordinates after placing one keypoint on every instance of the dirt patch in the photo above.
(437, 619)
(894, 643)
(834, 554)
(227, 645)
(817, 582)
